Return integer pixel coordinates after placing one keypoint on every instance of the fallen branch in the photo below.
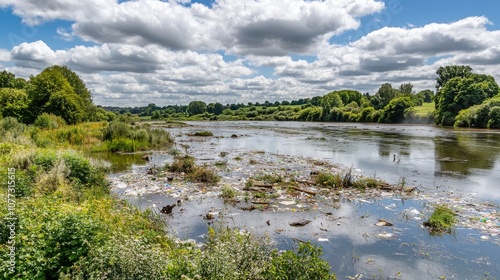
(302, 190)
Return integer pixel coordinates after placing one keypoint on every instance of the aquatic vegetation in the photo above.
(228, 192)
(201, 174)
(442, 220)
(182, 163)
(203, 133)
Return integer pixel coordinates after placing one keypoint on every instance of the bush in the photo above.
(201, 174)
(79, 167)
(116, 130)
(122, 258)
(49, 121)
(305, 264)
(122, 145)
(160, 138)
(182, 164)
(329, 180)
(230, 254)
(50, 238)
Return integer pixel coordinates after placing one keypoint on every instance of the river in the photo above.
(451, 165)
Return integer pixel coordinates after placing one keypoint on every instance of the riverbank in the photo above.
(65, 224)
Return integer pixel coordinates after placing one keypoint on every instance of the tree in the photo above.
(406, 89)
(50, 92)
(383, 96)
(461, 93)
(196, 108)
(13, 103)
(78, 86)
(449, 72)
(6, 79)
(394, 112)
(426, 95)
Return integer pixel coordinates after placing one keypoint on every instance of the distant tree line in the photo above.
(463, 98)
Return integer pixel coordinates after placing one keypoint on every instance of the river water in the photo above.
(439, 162)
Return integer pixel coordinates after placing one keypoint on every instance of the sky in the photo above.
(132, 53)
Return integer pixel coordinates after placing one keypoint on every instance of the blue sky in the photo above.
(172, 52)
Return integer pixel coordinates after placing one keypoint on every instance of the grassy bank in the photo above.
(66, 225)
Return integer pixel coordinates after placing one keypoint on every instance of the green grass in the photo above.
(425, 109)
(442, 220)
(203, 133)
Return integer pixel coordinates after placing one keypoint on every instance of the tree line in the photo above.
(462, 98)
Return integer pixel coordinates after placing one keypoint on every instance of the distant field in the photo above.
(425, 109)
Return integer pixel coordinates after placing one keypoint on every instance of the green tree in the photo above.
(78, 86)
(447, 73)
(426, 95)
(50, 92)
(395, 111)
(6, 79)
(13, 103)
(383, 96)
(461, 93)
(217, 108)
(406, 89)
(196, 108)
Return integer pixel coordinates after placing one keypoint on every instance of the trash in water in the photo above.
(300, 223)
(383, 223)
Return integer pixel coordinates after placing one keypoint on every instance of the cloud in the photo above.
(33, 55)
(266, 27)
(35, 12)
(171, 52)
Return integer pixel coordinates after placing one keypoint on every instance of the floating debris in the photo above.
(383, 223)
(300, 223)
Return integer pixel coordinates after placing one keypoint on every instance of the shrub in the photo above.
(230, 254)
(122, 258)
(305, 264)
(50, 238)
(79, 167)
(49, 121)
(201, 174)
(329, 180)
(182, 164)
(116, 129)
(122, 145)
(160, 138)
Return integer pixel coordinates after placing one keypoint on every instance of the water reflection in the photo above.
(119, 162)
(460, 153)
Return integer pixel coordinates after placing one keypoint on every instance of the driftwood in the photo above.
(302, 190)
(300, 223)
